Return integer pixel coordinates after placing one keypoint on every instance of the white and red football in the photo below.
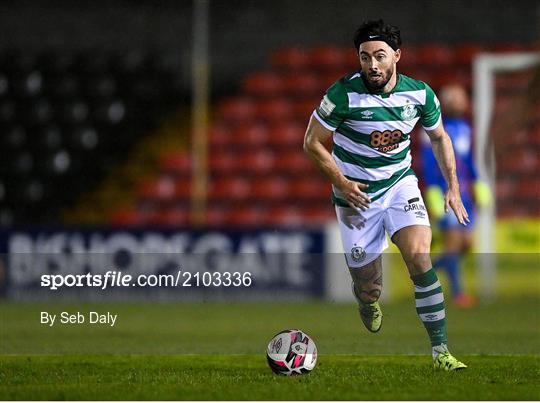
(291, 352)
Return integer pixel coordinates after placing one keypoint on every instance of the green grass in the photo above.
(200, 351)
(246, 377)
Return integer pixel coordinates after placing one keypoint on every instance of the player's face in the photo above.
(378, 62)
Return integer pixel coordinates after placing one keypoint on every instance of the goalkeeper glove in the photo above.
(435, 201)
(482, 194)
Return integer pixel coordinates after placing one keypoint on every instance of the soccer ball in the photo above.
(291, 352)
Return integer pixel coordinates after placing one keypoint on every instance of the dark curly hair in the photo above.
(386, 32)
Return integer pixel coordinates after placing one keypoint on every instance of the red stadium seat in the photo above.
(170, 217)
(127, 217)
(263, 84)
(257, 162)
(285, 215)
(175, 163)
(182, 189)
(294, 163)
(271, 188)
(305, 108)
(508, 47)
(327, 57)
(160, 188)
(230, 189)
(435, 56)
(219, 136)
(466, 52)
(314, 189)
(251, 135)
(351, 60)
(275, 109)
(302, 84)
(319, 214)
(409, 59)
(248, 215)
(216, 215)
(239, 109)
(223, 163)
(287, 134)
(290, 58)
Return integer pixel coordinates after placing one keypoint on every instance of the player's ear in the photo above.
(397, 55)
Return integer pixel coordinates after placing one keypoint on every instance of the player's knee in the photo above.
(418, 256)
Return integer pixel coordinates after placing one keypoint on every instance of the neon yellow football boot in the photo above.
(446, 361)
(371, 314)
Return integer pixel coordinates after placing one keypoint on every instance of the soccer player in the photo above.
(456, 238)
(371, 113)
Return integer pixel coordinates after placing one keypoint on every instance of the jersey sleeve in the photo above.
(431, 111)
(334, 107)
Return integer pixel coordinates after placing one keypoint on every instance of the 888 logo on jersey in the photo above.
(386, 140)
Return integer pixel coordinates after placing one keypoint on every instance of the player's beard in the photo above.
(377, 87)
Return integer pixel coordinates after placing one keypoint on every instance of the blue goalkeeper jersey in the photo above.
(460, 132)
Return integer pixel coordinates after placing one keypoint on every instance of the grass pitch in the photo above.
(215, 351)
(246, 377)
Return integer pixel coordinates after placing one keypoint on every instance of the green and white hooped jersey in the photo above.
(372, 131)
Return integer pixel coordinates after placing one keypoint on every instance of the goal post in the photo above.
(485, 67)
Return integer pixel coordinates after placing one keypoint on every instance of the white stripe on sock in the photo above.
(431, 300)
(428, 288)
(433, 316)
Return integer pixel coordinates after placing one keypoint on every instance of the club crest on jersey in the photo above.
(408, 112)
(358, 254)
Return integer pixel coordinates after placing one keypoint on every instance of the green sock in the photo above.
(430, 306)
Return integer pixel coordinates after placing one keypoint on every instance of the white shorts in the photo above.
(363, 233)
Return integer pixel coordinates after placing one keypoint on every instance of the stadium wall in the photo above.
(243, 32)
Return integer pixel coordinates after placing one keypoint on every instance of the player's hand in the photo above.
(352, 191)
(452, 200)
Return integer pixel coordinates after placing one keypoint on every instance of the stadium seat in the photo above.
(409, 59)
(182, 189)
(248, 215)
(302, 84)
(466, 52)
(258, 162)
(225, 163)
(434, 56)
(273, 188)
(289, 58)
(219, 136)
(311, 189)
(178, 163)
(276, 109)
(217, 215)
(127, 217)
(161, 188)
(230, 189)
(305, 108)
(286, 134)
(285, 215)
(319, 214)
(327, 57)
(294, 163)
(250, 135)
(169, 217)
(266, 84)
(239, 109)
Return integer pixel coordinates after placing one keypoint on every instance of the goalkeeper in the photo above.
(456, 238)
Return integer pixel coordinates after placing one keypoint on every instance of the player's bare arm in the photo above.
(444, 153)
(315, 137)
